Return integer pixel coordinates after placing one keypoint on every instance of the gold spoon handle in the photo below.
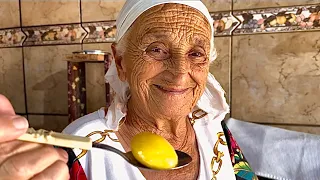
(56, 139)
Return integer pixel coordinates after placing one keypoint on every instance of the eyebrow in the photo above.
(154, 35)
(198, 40)
(194, 40)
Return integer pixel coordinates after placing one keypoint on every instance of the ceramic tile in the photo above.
(224, 23)
(51, 123)
(46, 78)
(49, 35)
(11, 37)
(217, 5)
(275, 78)
(251, 4)
(98, 46)
(220, 67)
(96, 91)
(11, 77)
(42, 12)
(100, 32)
(101, 10)
(296, 18)
(9, 11)
(306, 129)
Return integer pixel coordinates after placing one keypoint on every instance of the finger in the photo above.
(6, 107)
(27, 164)
(11, 127)
(57, 171)
(63, 154)
(12, 148)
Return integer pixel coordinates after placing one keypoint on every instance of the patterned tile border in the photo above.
(60, 34)
(285, 19)
(268, 20)
(224, 23)
(11, 37)
(100, 32)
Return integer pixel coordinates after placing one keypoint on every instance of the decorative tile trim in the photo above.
(285, 19)
(267, 20)
(224, 23)
(60, 34)
(11, 37)
(100, 32)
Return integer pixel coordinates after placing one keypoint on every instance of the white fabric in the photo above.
(277, 153)
(101, 164)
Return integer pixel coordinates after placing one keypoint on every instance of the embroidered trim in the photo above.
(240, 165)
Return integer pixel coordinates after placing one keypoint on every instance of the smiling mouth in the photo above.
(174, 91)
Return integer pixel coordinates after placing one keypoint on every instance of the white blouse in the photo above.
(102, 164)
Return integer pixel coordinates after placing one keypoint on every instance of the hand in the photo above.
(23, 160)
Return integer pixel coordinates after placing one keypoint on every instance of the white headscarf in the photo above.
(212, 101)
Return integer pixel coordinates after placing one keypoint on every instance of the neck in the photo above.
(173, 126)
(178, 132)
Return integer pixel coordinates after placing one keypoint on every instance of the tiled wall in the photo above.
(269, 58)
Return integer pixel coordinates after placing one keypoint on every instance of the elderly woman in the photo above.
(161, 78)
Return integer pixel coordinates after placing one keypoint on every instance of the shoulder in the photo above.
(87, 123)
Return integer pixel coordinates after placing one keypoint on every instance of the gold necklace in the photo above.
(197, 114)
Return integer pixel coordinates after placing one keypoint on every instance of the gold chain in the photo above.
(217, 159)
(218, 155)
(196, 115)
(103, 134)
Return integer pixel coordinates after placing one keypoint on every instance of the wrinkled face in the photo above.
(166, 59)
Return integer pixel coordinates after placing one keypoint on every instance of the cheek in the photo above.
(142, 72)
(200, 75)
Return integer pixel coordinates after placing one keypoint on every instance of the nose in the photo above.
(179, 69)
(179, 64)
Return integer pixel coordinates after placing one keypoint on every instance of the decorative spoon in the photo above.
(71, 141)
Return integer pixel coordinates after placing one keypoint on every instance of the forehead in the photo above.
(175, 20)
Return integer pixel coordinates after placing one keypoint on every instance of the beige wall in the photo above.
(271, 78)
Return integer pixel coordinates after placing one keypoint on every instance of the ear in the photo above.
(119, 62)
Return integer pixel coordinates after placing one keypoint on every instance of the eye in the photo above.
(197, 56)
(158, 51)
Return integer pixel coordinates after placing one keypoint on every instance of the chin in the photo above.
(173, 109)
(171, 104)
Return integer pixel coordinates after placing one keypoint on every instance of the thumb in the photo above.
(5, 106)
(11, 126)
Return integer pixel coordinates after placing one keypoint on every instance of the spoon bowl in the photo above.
(183, 158)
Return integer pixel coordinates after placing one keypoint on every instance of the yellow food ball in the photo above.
(153, 151)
